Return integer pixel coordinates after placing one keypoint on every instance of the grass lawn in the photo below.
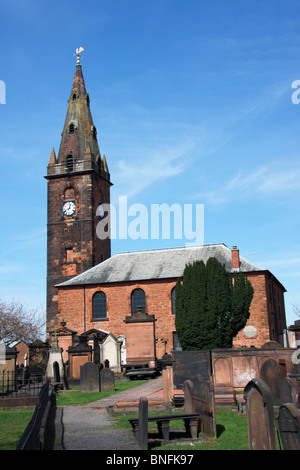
(75, 397)
(12, 425)
(13, 422)
(232, 433)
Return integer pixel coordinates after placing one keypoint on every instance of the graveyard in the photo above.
(245, 399)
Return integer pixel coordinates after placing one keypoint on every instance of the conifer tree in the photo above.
(212, 306)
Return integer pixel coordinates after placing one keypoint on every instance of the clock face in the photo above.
(69, 208)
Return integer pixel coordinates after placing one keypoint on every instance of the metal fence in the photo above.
(30, 439)
(17, 384)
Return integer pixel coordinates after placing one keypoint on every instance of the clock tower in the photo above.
(78, 183)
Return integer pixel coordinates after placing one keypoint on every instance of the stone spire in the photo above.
(79, 135)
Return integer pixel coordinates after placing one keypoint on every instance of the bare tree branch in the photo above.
(296, 309)
(18, 323)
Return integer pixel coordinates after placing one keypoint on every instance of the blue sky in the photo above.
(192, 104)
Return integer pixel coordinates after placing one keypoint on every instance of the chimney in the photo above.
(235, 257)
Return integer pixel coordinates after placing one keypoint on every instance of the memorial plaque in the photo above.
(261, 427)
(289, 426)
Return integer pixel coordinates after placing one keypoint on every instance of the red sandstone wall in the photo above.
(75, 307)
(267, 313)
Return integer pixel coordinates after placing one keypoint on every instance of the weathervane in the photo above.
(78, 51)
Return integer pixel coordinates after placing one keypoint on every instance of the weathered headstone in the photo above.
(189, 363)
(289, 426)
(199, 398)
(272, 374)
(204, 404)
(286, 390)
(143, 424)
(89, 377)
(107, 380)
(261, 427)
(295, 379)
(188, 388)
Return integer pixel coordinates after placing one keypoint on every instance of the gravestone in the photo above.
(89, 377)
(143, 424)
(286, 390)
(295, 379)
(199, 398)
(189, 363)
(289, 426)
(272, 374)
(107, 380)
(261, 427)
(204, 404)
(188, 388)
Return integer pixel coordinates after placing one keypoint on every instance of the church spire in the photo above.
(79, 132)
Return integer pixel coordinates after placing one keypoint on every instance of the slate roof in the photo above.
(155, 264)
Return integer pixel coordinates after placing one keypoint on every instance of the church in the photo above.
(128, 297)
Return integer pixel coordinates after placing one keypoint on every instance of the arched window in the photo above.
(69, 163)
(138, 301)
(72, 128)
(69, 194)
(173, 294)
(94, 132)
(99, 306)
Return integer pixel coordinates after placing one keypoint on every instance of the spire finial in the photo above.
(78, 51)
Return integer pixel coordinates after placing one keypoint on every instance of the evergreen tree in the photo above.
(211, 305)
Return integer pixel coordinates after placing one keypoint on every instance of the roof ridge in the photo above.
(170, 249)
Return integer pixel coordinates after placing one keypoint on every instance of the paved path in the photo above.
(90, 427)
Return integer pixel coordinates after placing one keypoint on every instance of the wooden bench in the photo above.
(163, 424)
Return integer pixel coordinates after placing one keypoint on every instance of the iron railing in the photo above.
(22, 383)
(31, 439)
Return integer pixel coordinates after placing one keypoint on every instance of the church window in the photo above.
(94, 132)
(69, 194)
(99, 306)
(69, 255)
(138, 301)
(69, 163)
(74, 97)
(173, 301)
(72, 128)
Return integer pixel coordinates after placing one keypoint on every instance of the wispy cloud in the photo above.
(22, 241)
(136, 174)
(265, 180)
